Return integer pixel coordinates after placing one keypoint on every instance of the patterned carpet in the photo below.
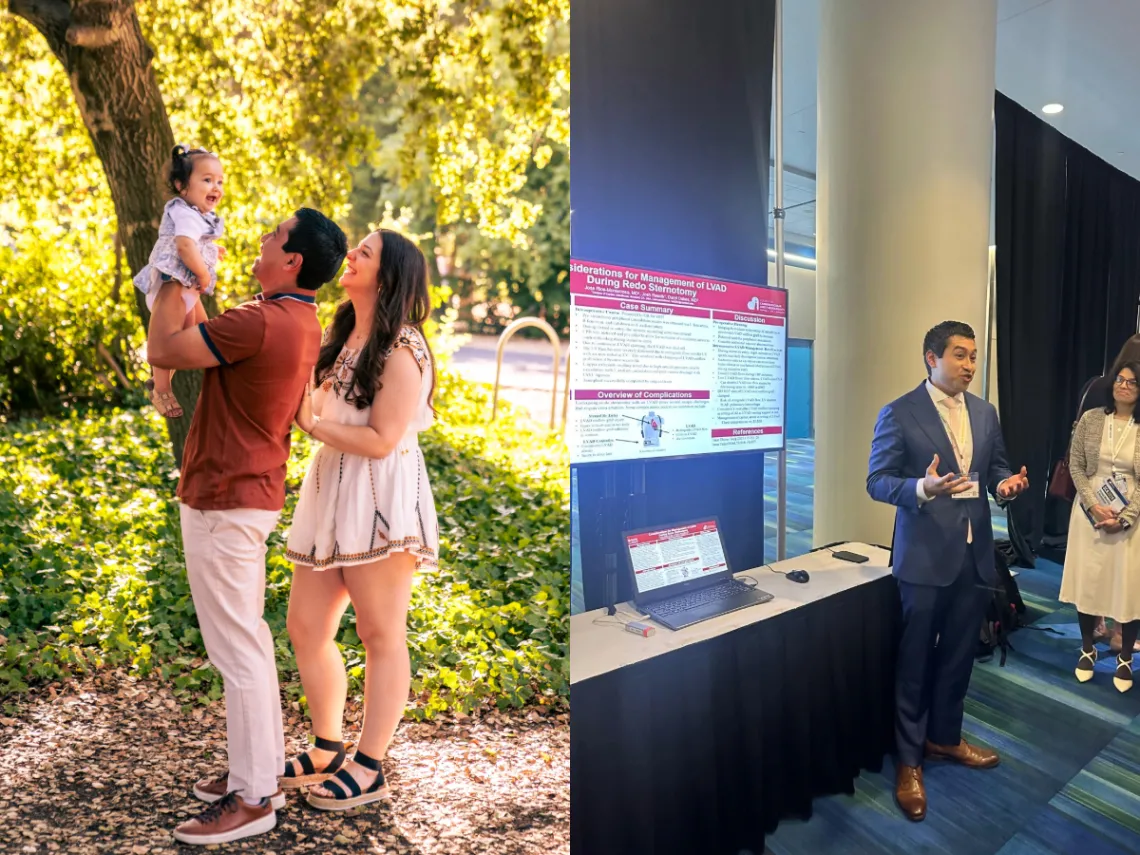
(1069, 781)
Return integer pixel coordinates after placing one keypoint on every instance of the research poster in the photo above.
(677, 555)
(668, 365)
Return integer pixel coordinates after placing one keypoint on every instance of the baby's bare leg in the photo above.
(162, 378)
(197, 315)
(160, 385)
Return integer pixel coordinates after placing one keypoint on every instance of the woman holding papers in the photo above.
(1092, 398)
(1102, 562)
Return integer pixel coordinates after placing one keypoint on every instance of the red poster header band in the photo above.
(592, 280)
(648, 538)
(721, 433)
(639, 395)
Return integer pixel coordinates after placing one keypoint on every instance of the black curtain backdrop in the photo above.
(671, 127)
(1068, 279)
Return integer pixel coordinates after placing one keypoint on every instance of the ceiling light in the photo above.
(1052, 109)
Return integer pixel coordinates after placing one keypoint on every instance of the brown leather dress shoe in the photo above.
(910, 793)
(226, 820)
(973, 756)
(212, 789)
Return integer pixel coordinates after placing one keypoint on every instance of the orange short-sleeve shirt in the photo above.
(238, 445)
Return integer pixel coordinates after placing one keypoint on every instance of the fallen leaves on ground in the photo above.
(106, 765)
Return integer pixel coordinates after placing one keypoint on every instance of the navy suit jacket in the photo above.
(930, 541)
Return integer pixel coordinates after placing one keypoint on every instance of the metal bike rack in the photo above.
(566, 393)
(511, 329)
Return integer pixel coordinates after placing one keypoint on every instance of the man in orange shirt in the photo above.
(258, 358)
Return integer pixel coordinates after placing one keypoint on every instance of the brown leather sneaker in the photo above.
(212, 789)
(226, 820)
(973, 756)
(910, 792)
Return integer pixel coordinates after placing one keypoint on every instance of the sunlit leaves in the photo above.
(486, 85)
(474, 102)
(91, 567)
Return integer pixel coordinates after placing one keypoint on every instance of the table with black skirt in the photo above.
(698, 742)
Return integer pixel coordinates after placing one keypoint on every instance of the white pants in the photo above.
(225, 560)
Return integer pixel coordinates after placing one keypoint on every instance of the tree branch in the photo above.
(110, 360)
(50, 17)
(46, 10)
(98, 23)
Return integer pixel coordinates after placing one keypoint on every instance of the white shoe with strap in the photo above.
(1086, 674)
(1123, 684)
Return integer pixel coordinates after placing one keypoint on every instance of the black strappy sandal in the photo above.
(308, 774)
(343, 780)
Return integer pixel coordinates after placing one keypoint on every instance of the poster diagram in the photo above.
(669, 365)
(649, 426)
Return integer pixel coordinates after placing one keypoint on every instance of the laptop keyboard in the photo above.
(721, 591)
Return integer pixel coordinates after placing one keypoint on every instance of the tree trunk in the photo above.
(108, 62)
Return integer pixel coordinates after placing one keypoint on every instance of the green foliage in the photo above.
(91, 572)
(489, 281)
(465, 102)
(483, 92)
(60, 288)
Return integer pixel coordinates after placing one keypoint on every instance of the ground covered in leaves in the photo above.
(105, 765)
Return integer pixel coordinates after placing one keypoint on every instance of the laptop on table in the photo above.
(681, 575)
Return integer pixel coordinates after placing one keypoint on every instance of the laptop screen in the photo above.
(672, 556)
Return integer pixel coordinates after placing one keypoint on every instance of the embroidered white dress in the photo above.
(357, 510)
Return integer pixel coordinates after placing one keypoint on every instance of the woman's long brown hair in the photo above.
(403, 301)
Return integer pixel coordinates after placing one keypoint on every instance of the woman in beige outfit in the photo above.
(1102, 561)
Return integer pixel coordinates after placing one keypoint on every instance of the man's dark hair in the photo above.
(938, 339)
(321, 245)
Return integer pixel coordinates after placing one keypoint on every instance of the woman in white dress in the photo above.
(1102, 560)
(365, 520)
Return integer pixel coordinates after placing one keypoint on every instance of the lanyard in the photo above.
(959, 444)
(1113, 444)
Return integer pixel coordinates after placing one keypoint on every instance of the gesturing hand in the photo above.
(1014, 485)
(933, 485)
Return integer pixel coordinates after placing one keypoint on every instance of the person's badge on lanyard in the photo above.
(973, 491)
(1119, 479)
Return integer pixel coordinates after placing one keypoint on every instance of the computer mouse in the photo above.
(797, 575)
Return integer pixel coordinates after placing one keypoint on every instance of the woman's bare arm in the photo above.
(393, 409)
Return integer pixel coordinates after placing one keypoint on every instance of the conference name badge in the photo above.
(974, 492)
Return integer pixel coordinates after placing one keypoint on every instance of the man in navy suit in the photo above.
(937, 451)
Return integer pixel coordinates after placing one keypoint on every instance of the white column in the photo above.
(906, 91)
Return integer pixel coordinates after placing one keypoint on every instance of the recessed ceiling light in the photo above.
(1052, 108)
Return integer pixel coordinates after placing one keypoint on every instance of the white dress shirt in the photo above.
(964, 439)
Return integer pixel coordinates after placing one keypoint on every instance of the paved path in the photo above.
(526, 374)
